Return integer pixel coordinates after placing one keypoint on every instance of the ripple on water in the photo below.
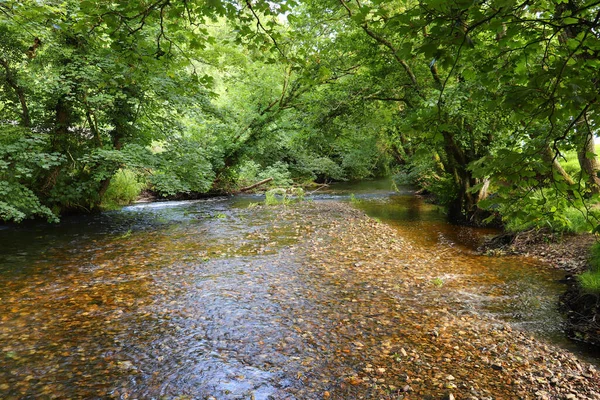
(201, 299)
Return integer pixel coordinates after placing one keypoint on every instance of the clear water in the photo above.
(208, 298)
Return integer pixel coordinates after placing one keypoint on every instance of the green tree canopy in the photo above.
(476, 102)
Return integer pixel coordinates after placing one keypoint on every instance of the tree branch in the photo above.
(11, 80)
(261, 26)
(381, 40)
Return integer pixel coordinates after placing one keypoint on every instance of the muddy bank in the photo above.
(583, 315)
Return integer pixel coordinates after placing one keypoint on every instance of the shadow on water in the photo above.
(196, 298)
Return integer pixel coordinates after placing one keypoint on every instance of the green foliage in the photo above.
(276, 196)
(594, 260)
(571, 163)
(24, 160)
(247, 173)
(192, 96)
(534, 216)
(283, 196)
(313, 167)
(279, 172)
(590, 281)
(124, 188)
(423, 172)
(251, 172)
(183, 167)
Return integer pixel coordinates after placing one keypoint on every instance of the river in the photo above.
(195, 299)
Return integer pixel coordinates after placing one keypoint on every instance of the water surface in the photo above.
(209, 298)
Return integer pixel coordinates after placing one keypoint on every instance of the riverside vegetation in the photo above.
(491, 107)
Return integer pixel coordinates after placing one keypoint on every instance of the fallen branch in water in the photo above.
(257, 184)
(323, 185)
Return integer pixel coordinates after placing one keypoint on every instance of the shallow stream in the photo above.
(205, 298)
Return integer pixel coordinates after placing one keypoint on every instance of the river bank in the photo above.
(568, 252)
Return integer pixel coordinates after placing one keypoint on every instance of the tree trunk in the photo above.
(11, 80)
(62, 122)
(589, 163)
(122, 116)
(551, 158)
(463, 208)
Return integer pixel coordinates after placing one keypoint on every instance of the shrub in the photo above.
(25, 163)
(124, 188)
(183, 167)
(250, 172)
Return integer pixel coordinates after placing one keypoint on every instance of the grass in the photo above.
(571, 163)
(283, 196)
(595, 257)
(590, 280)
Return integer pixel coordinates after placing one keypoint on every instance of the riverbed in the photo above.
(229, 299)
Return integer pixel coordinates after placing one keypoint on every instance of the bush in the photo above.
(319, 168)
(183, 167)
(251, 172)
(124, 188)
(280, 174)
(24, 164)
(569, 220)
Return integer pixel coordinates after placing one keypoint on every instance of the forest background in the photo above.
(490, 106)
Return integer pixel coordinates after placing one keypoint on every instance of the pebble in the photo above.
(377, 322)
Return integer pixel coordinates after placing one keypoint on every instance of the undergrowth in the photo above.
(590, 280)
(283, 196)
(124, 188)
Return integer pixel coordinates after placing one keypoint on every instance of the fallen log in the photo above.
(257, 184)
(321, 186)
